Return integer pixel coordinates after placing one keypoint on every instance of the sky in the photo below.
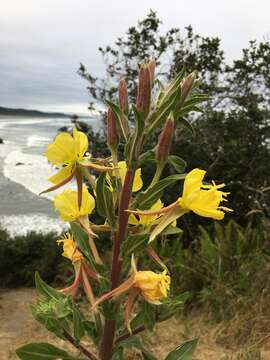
(42, 42)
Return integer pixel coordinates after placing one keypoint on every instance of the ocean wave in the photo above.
(7, 148)
(22, 224)
(31, 171)
(37, 141)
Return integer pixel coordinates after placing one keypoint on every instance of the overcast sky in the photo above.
(42, 42)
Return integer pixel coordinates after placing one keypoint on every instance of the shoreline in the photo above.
(22, 211)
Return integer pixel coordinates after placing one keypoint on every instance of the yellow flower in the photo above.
(122, 169)
(154, 287)
(145, 219)
(67, 204)
(70, 249)
(202, 199)
(66, 150)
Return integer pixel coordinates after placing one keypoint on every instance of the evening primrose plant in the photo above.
(126, 291)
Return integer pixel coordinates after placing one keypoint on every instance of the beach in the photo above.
(24, 172)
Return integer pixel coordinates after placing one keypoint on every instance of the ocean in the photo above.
(24, 172)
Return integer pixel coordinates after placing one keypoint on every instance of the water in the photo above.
(24, 172)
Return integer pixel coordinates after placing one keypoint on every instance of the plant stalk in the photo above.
(109, 327)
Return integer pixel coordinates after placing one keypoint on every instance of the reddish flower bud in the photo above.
(123, 96)
(144, 90)
(165, 141)
(112, 137)
(152, 67)
(186, 86)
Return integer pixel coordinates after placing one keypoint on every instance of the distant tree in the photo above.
(232, 135)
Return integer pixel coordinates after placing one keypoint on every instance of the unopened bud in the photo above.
(144, 90)
(186, 86)
(123, 95)
(112, 137)
(165, 141)
(152, 67)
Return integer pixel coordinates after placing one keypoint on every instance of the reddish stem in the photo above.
(78, 175)
(109, 328)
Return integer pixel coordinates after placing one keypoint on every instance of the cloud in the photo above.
(42, 42)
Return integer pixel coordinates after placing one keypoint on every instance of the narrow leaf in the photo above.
(43, 351)
(183, 352)
(146, 199)
(45, 290)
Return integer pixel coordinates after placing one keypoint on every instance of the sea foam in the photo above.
(22, 224)
(31, 171)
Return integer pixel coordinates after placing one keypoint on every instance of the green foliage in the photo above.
(42, 351)
(22, 255)
(231, 140)
(221, 264)
(183, 352)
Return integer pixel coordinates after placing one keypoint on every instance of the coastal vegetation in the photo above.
(219, 269)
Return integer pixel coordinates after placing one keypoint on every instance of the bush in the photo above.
(222, 266)
(21, 256)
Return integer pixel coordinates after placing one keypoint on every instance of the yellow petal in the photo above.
(62, 150)
(88, 202)
(154, 287)
(138, 183)
(148, 220)
(70, 250)
(81, 141)
(61, 175)
(202, 199)
(192, 184)
(122, 169)
(67, 204)
(133, 220)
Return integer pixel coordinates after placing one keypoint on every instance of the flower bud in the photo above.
(152, 67)
(186, 86)
(144, 90)
(165, 141)
(123, 95)
(112, 137)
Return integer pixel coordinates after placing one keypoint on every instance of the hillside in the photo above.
(34, 113)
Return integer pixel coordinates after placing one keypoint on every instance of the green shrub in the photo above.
(21, 256)
(221, 264)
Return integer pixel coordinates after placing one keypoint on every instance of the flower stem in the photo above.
(109, 328)
(157, 175)
(82, 349)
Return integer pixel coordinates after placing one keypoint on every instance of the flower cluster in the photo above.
(113, 201)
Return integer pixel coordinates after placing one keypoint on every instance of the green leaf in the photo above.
(178, 163)
(133, 243)
(187, 124)
(90, 329)
(43, 351)
(160, 115)
(147, 198)
(171, 305)
(104, 198)
(183, 352)
(78, 325)
(118, 354)
(172, 230)
(82, 240)
(148, 157)
(45, 290)
(149, 314)
(135, 144)
(131, 342)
